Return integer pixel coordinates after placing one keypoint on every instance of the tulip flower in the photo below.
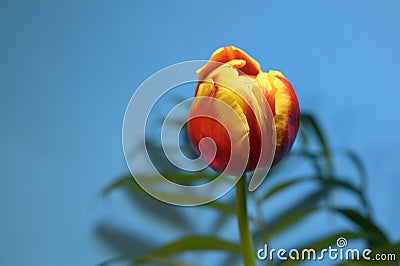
(221, 82)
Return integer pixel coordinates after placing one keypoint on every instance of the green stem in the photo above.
(246, 241)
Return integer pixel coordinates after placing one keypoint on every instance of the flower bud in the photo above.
(235, 94)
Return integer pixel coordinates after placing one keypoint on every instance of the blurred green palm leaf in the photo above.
(313, 147)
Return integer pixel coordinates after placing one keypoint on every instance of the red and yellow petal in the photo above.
(238, 58)
(285, 108)
(235, 91)
(232, 81)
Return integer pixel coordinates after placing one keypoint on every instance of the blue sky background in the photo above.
(69, 68)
